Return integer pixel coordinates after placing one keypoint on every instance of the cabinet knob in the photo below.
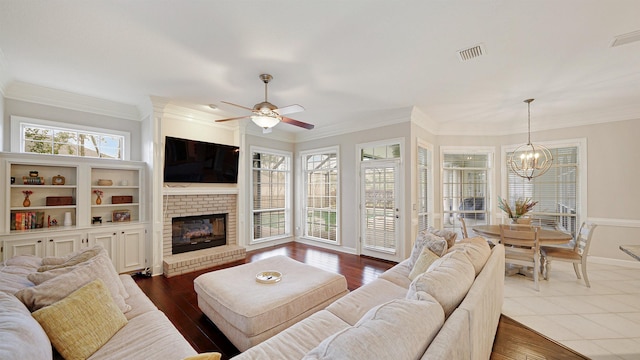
(50, 240)
(115, 233)
(39, 241)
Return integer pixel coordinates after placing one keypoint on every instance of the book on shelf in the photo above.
(26, 220)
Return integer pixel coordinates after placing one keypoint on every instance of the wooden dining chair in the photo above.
(465, 234)
(522, 247)
(576, 254)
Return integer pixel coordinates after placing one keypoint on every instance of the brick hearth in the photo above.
(189, 205)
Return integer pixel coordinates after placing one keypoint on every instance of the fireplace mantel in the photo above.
(198, 191)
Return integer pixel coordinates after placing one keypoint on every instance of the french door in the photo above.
(379, 209)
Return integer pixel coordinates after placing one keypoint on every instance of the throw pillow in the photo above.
(59, 287)
(448, 235)
(205, 356)
(22, 336)
(477, 249)
(426, 258)
(448, 280)
(398, 329)
(82, 322)
(425, 239)
(75, 258)
(101, 258)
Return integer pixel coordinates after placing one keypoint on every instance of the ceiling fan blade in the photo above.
(297, 123)
(233, 118)
(240, 106)
(289, 109)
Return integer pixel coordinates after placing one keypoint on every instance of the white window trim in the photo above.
(581, 143)
(288, 202)
(18, 121)
(491, 182)
(430, 200)
(303, 185)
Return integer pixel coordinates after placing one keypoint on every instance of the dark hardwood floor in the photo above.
(177, 299)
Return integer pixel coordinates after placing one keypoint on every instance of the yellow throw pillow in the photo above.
(426, 258)
(81, 323)
(205, 356)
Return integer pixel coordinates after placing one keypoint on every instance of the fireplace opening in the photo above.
(190, 233)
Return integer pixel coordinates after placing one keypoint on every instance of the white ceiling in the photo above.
(342, 60)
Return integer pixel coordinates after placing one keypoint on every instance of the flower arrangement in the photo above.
(27, 192)
(98, 192)
(522, 206)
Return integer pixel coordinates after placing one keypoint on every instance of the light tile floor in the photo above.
(601, 322)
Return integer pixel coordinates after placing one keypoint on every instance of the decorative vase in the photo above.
(98, 200)
(26, 202)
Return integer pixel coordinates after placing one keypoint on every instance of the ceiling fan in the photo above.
(266, 115)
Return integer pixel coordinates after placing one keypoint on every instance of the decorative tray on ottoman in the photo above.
(268, 277)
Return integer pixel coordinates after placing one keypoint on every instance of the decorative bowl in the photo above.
(268, 277)
(105, 182)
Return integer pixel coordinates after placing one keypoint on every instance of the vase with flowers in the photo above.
(98, 196)
(521, 207)
(26, 202)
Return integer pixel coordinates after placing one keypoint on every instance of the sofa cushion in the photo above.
(148, 336)
(398, 274)
(75, 258)
(352, 307)
(81, 323)
(100, 258)
(476, 249)
(59, 287)
(426, 258)
(424, 239)
(22, 336)
(294, 342)
(398, 329)
(448, 280)
(449, 235)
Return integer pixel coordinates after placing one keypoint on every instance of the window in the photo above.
(391, 151)
(425, 188)
(556, 191)
(465, 187)
(270, 196)
(46, 137)
(320, 176)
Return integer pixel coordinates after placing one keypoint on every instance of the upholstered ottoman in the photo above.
(249, 312)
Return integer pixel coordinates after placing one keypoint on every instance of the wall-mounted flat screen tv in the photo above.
(200, 162)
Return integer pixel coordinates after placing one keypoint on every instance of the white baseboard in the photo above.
(339, 248)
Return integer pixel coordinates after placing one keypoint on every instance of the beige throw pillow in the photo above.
(425, 239)
(75, 258)
(448, 235)
(81, 323)
(426, 258)
(21, 337)
(103, 260)
(59, 287)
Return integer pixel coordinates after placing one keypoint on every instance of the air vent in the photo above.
(626, 38)
(471, 53)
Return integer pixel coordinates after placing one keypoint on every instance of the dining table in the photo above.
(545, 236)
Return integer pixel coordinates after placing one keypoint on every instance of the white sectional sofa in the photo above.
(147, 334)
(449, 312)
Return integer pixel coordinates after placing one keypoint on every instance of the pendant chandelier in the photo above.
(529, 160)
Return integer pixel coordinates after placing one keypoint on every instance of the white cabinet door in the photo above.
(131, 248)
(61, 245)
(108, 240)
(25, 246)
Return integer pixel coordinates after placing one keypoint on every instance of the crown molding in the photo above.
(22, 91)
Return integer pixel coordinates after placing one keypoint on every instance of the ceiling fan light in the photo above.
(265, 122)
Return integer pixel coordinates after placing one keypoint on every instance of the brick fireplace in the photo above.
(177, 205)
